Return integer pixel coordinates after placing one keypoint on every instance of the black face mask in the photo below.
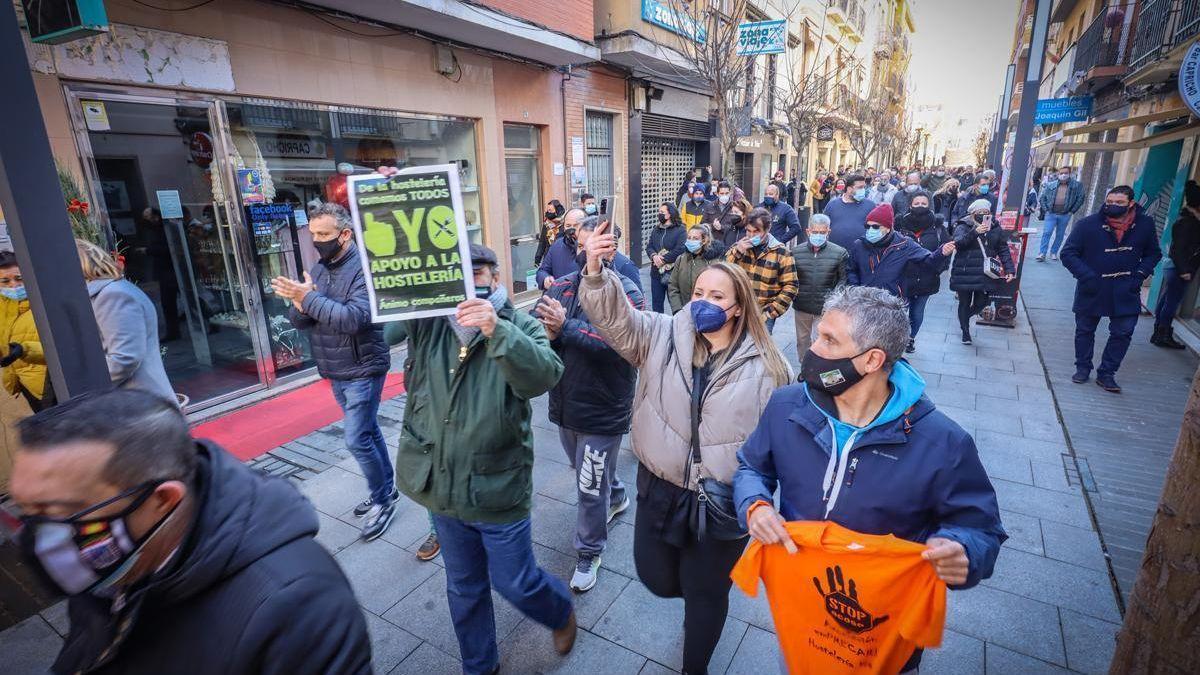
(662, 217)
(919, 211)
(328, 250)
(1113, 210)
(581, 260)
(550, 215)
(833, 376)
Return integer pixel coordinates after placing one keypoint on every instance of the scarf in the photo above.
(467, 333)
(1120, 226)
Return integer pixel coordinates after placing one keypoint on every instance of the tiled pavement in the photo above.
(1124, 442)
(1050, 606)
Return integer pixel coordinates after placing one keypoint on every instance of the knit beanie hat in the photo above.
(979, 205)
(881, 214)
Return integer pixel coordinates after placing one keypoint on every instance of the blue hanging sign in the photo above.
(662, 14)
(1058, 110)
(762, 37)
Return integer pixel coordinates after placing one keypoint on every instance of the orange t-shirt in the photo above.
(846, 602)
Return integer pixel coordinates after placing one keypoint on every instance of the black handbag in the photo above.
(716, 515)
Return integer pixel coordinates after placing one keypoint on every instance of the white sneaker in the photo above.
(586, 571)
(615, 510)
(1054, 256)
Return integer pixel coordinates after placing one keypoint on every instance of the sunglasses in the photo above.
(12, 520)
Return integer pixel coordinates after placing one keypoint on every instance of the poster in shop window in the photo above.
(414, 240)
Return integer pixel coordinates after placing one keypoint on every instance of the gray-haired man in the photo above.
(820, 267)
(333, 306)
(897, 466)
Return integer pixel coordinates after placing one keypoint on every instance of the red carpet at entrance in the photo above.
(252, 431)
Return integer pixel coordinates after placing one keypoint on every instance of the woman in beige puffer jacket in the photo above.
(669, 352)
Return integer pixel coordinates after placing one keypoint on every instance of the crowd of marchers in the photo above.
(178, 558)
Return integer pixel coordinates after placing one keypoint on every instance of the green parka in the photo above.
(466, 447)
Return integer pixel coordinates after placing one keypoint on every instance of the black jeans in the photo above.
(970, 303)
(698, 572)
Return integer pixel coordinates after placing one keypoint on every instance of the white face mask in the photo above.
(724, 199)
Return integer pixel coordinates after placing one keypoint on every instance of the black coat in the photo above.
(944, 205)
(928, 231)
(667, 237)
(1185, 243)
(967, 273)
(250, 591)
(716, 215)
(595, 393)
(337, 316)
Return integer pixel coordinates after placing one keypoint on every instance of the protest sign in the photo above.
(415, 251)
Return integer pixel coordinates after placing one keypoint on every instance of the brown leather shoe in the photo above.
(564, 638)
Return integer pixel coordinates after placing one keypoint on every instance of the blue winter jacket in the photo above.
(558, 262)
(1109, 274)
(785, 224)
(886, 264)
(913, 472)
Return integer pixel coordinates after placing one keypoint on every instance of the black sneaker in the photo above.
(377, 521)
(912, 346)
(366, 504)
(966, 337)
(1081, 375)
(1107, 383)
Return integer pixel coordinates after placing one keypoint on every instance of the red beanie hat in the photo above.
(881, 214)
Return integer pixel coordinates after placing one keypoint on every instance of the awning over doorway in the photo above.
(1053, 144)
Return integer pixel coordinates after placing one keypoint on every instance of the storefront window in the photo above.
(369, 140)
(155, 172)
(167, 188)
(521, 145)
(283, 158)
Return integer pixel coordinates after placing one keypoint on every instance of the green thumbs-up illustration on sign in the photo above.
(379, 237)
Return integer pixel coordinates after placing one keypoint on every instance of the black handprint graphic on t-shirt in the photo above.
(843, 605)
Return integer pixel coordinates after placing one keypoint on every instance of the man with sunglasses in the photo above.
(176, 557)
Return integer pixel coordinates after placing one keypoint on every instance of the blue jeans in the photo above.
(658, 291)
(359, 400)
(1055, 226)
(1120, 333)
(1169, 299)
(479, 556)
(916, 313)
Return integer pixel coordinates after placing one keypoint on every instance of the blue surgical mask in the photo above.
(692, 245)
(818, 240)
(860, 194)
(756, 240)
(17, 293)
(697, 200)
(768, 202)
(874, 234)
(707, 316)
(589, 209)
(983, 189)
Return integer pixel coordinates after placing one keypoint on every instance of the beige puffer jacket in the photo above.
(660, 347)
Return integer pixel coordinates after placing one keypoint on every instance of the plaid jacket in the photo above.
(772, 274)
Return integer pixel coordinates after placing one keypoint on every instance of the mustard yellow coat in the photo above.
(16, 325)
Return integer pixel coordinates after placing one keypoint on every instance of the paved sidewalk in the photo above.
(1123, 442)
(1049, 607)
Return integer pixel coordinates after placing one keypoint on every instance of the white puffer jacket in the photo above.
(660, 347)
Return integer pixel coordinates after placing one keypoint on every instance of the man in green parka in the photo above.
(466, 454)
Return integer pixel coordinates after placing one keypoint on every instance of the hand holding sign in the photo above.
(477, 313)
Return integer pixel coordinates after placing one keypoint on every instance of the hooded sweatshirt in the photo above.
(248, 591)
(907, 388)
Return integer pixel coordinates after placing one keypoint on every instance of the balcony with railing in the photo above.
(849, 16)
(1102, 53)
(1164, 30)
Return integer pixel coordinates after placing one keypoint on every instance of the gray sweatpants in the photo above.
(594, 459)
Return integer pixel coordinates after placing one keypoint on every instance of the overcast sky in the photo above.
(959, 55)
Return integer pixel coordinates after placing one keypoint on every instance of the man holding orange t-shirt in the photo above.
(858, 443)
